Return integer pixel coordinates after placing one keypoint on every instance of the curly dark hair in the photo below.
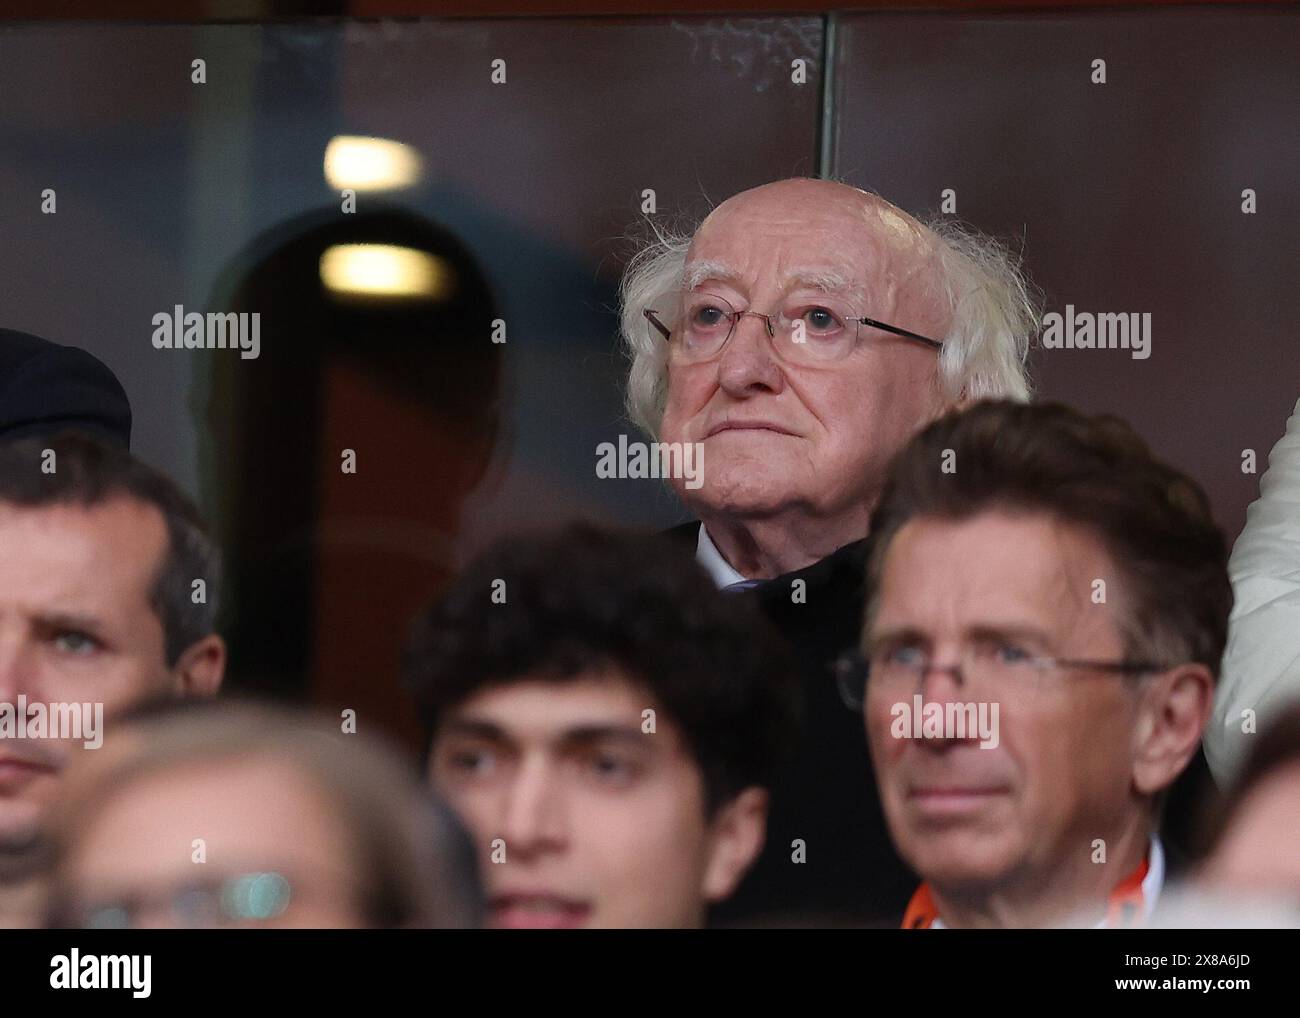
(582, 599)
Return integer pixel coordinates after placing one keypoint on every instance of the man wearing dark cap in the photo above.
(46, 388)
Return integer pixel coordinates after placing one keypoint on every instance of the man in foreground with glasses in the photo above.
(799, 337)
(1042, 561)
(223, 814)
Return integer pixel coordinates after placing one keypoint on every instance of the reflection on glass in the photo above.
(371, 164)
(385, 271)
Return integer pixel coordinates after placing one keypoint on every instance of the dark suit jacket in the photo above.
(46, 388)
(827, 797)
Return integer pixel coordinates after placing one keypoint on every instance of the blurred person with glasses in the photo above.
(797, 338)
(1041, 562)
(245, 815)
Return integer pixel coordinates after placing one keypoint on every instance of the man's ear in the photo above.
(736, 838)
(1172, 716)
(962, 401)
(945, 404)
(201, 667)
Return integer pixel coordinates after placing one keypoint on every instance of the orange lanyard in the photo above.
(1123, 906)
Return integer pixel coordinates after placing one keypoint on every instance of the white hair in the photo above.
(994, 311)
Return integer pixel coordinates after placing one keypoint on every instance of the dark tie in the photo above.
(739, 585)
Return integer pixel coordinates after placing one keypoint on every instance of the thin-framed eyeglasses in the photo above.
(224, 900)
(810, 329)
(995, 669)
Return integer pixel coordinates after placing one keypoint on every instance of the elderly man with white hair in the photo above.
(799, 337)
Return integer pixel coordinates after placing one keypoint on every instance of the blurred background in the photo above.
(516, 203)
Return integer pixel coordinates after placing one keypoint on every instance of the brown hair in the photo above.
(1095, 473)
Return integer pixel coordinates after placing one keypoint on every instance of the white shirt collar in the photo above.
(1152, 884)
(707, 555)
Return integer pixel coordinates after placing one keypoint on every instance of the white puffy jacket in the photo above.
(1261, 666)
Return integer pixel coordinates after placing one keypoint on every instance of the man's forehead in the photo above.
(841, 232)
(112, 544)
(807, 206)
(1031, 566)
(552, 708)
(829, 275)
(118, 516)
(798, 195)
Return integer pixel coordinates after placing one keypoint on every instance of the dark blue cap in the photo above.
(46, 388)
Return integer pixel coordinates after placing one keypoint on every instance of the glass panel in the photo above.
(1126, 197)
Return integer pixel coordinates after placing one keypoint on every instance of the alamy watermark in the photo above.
(949, 720)
(1106, 330)
(75, 971)
(181, 330)
(684, 460)
(67, 722)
